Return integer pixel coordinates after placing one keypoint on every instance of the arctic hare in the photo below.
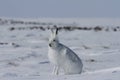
(63, 57)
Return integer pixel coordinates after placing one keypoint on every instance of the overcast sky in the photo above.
(60, 8)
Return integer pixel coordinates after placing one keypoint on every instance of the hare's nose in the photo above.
(50, 45)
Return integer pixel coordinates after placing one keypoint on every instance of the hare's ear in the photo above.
(52, 31)
(56, 32)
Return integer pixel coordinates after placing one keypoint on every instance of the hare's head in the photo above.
(53, 40)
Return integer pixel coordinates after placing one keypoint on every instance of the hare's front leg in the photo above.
(56, 70)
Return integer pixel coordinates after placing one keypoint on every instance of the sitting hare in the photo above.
(63, 57)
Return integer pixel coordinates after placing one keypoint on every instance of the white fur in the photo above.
(63, 57)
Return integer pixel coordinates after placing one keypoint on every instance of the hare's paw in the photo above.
(56, 70)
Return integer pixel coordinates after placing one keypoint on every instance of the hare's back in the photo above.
(73, 64)
(70, 54)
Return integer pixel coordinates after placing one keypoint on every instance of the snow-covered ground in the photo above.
(23, 54)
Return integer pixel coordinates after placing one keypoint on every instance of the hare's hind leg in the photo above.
(56, 70)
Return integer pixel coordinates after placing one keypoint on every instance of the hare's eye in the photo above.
(54, 40)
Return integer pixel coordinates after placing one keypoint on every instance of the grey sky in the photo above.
(60, 8)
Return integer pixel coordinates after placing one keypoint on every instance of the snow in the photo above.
(27, 58)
